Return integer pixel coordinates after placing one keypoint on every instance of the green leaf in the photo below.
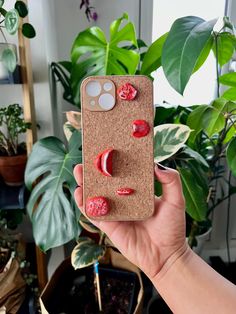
(213, 121)
(59, 73)
(162, 115)
(225, 47)
(200, 174)
(228, 79)
(9, 59)
(195, 196)
(28, 30)
(204, 54)
(21, 8)
(49, 207)
(168, 139)
(192, 154)
(152, 58)
(230, 94)
(231, 156)
(86, 253)
(230, 134)
(92, 54)
(3, 12)
(184, 44)
(227, 23)
(1, 3)
(194, 120)
(12, 21)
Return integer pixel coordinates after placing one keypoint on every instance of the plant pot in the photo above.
(12, 169)
(70, 291)
(5, 75)
(201, 240)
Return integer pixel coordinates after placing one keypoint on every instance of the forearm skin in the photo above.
(190, 286)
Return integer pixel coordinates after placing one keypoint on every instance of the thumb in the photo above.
(171, 186)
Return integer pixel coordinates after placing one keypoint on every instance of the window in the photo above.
(202, 85)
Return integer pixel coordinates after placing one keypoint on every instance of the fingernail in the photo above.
(73, 166)
(159, 166)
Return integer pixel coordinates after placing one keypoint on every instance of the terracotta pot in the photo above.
(12, 169)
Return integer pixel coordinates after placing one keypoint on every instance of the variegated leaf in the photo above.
(86, 253)
(168, 139)
(74, 117)
(68, 130)
(87, 225)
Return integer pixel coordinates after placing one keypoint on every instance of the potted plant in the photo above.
(83, 283)
(11, 21)
(13, 154)
(213, 125)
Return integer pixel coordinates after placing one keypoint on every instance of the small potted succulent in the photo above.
(10, 22)
(12, 153)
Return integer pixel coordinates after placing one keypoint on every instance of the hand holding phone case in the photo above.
(117, 124)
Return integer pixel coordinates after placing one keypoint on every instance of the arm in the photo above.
(189, 285)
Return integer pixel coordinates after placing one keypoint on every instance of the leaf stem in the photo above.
(217, 66)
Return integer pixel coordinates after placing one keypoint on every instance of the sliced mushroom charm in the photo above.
(97, 206)
(140, 128)
(124, 191)
(103, 162)
(127, 92)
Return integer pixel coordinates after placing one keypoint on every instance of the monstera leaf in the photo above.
(49, 178)
(86, 253)
(168, 139)
(92, 54)
(182, 53)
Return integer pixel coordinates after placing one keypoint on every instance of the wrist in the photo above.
(180, 256)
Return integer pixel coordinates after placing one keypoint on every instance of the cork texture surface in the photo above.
(133, 165)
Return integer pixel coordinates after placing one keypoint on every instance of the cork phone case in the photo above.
(117, 124)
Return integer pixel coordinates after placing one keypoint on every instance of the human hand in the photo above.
(150, 243)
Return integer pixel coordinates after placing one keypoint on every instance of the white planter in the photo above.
(201, 240)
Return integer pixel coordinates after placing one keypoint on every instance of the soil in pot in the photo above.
(119, 291)
(12, 169)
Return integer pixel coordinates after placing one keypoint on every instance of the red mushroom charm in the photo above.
(127, 92)
(97, 206)
(140, 128)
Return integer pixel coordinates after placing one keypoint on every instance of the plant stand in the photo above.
(31, 135)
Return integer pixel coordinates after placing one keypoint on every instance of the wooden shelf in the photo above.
(31, 135)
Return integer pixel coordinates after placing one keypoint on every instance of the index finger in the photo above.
(78, 174)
